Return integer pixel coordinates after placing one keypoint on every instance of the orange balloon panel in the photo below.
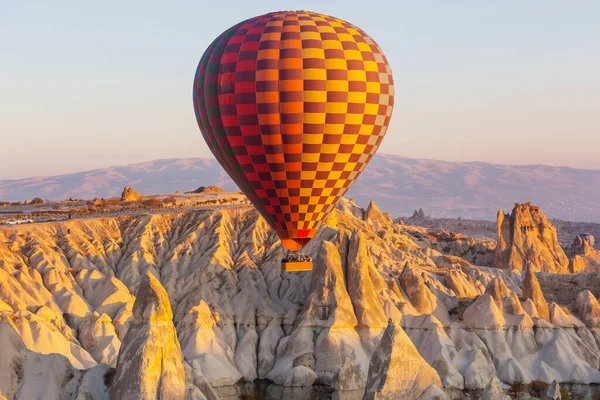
(293, 104)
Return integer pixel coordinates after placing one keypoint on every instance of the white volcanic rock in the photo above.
(553, 392)
(328, 304)
(374, 215)
(267, 348)
(105, 294)
(150, 364)
(439, 350)
(13, 353)
(56, 319)
(484, 313)
(532, 290)
(197, 387)
(340, 359)
(349, 206)
(397, 370)
(245, 355)
(123, 319)
(562, 317)
(93, 384)
(238, 316)
(24, 293)
(588, 308)
(531, 310)
(337, 357)
(461, 284)
(27, 375)
(205, 350)
(42, 337)
(47, 376)
(373, 299)
(98, 337)
(527, 238)
(365, 299)
(494, 391)
(66, 294)
(433, 392)
(477, 367)
(453, 249)
(497, 308)
(421, 298)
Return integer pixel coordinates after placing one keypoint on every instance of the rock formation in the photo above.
(13, 355)
(365, 299)
(208, 189)
(66, 293)
(588, 308)
(527, 238)
(130, 195)
(553, 392)
(418, 215)
(324, 346)
(584, 257)
(583, 244)
(577, 264)
(397, 370)
(494, 391)
(434, 392)
(374, 215)
(150, 364)
(420, 296)
(531, 290)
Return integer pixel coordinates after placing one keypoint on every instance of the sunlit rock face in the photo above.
(397, 370)
(129, 194)
(374, 215)
(532, 291)
(203, 292)
(527, 239)
(584, 256)
(150, 364)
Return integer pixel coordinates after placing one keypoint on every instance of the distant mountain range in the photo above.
(397, 184)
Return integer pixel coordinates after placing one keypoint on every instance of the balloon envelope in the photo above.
(293, 104)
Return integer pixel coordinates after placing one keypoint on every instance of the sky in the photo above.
(86, 85)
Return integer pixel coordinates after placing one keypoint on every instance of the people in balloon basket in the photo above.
(296, 257)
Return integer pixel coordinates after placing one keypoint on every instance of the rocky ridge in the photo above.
(86, 290)
(208, 189)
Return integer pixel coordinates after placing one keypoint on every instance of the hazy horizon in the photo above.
(212, 158)
(96, 85)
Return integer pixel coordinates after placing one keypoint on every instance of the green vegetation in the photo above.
(516, 388)
(537, 388)
(152, 202)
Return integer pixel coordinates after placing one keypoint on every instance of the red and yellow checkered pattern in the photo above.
(293, 104)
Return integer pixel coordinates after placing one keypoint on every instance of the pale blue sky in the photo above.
(93, 84)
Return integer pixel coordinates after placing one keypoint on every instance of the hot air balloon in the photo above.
(293, 105)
